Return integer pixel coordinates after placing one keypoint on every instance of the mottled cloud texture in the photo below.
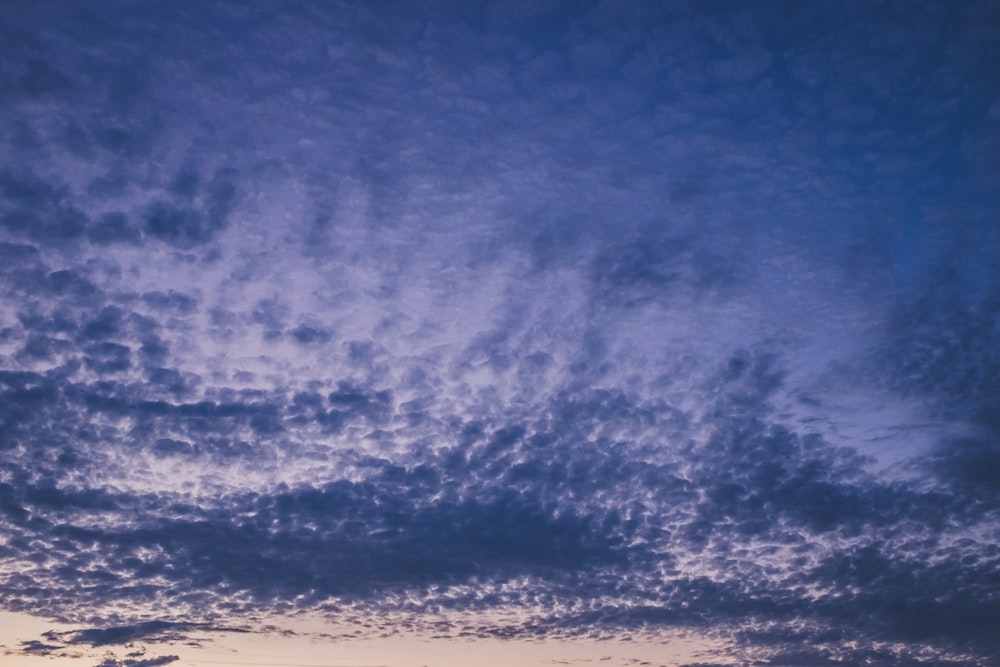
(541, 319)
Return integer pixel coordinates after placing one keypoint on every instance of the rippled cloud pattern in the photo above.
(515, 320)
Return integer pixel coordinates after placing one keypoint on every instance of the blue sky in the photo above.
(545, 332)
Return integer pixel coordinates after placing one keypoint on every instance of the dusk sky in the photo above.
(450, 334)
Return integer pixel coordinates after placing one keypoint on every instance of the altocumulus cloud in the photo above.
(515, 320)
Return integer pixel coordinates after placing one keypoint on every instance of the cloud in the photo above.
(37, 210)
(549, 499)
(135, 659)
(35, 647)
(549, 321)
(147, 631)
(59, 643)
(186, 226)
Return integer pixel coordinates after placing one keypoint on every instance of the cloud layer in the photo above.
(510, 321)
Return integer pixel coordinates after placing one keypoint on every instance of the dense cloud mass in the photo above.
(512, 320)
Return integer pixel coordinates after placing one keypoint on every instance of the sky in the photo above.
(436, 333)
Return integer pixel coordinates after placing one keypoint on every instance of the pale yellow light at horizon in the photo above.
(309, 648)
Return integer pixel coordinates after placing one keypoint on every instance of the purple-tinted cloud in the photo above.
(516, 321)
